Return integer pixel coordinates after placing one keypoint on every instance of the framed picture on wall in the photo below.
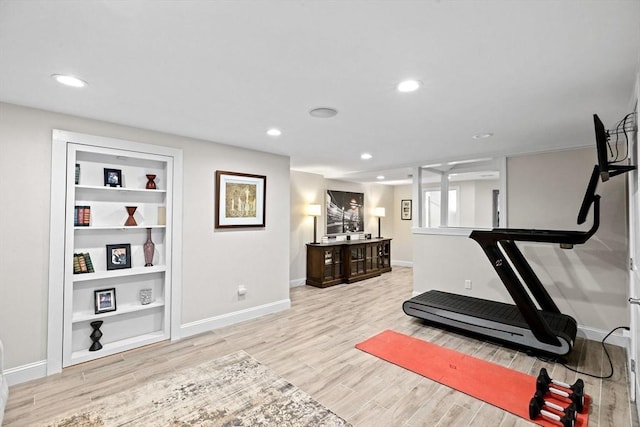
(240, 200)
(345, 212)
(405, 209)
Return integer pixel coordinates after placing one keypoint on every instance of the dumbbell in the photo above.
(535, 410)
(547, 379)
(539, 397)
(576, 396)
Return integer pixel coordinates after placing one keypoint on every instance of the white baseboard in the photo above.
(24, 373)
(297, 282)
(400, 263)
(621, 337)
(206, 325)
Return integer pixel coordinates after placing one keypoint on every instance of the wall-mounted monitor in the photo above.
(607, 168)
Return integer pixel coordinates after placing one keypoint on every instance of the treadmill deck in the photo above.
(491, 318)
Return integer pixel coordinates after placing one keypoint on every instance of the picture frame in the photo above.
(345, 212)
(118, 256)
(112, 177)
(240, 200)
(105, 300)
(406, 209)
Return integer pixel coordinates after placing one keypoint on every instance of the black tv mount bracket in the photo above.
(631, 126)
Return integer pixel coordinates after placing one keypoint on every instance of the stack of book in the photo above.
(82, 263)
(82, 216)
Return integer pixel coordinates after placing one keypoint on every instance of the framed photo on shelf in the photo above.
(405, 209)
(105, 300)
(112, 177)
(240, 200)
(118, 256)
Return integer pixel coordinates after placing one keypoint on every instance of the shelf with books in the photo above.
(114, 202)
(108, 274)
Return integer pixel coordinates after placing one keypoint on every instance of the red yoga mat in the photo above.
(499, 386)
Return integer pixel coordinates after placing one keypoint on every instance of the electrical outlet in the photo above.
(467, 284)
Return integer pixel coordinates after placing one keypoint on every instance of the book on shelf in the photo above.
(82, 263)
(87, 260)
(82, 216)
(77, 173)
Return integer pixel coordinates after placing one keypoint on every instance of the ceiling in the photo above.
(531, 73)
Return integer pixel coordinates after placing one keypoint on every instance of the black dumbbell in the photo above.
(535, 410)
(539, 397)
(577, 390)
(579, 384)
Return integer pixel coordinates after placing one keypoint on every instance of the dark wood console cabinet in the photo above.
(333, 263)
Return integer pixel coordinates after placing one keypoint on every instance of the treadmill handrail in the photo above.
(491, 242)
(548, 236)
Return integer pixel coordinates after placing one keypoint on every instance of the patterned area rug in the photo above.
(235, 390)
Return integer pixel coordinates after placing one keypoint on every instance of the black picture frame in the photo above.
(105, 300)
(345, 212)
(112, 177)
(118, 256)
(240, 199)
(406, 208)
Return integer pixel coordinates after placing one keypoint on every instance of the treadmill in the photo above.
(534, 323)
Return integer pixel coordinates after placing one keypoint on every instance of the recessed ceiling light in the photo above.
(482, 135)
(365, 156)
(274, 132)
(68, 80)
(408, 86)
(380, 177)
(323, 112)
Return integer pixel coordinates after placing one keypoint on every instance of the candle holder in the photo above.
(96, 335)
(151, 185)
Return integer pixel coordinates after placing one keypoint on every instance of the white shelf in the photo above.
(83, 277)
(116, 227)
(122, 309)
(132, 324)
(117, 346)
(120, 189)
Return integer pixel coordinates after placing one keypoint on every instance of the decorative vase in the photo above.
(131, 220)
(151, 185)
(96, 335)
(145, 296)
(148, 248)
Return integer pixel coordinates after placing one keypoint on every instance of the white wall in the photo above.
(402, 251)
(589, 282)
(306, 189)
(214, 262)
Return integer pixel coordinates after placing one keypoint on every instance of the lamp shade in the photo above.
(378, 212)
(314, 210)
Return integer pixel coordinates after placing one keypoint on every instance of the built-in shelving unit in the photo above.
(132, 323)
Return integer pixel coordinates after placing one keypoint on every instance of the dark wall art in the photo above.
(345, 212)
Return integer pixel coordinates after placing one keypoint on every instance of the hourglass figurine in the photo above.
(96, 335)
(151, 185)
(131, 220)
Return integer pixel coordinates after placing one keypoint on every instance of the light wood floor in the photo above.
(312, 346)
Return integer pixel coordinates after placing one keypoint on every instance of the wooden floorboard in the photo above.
(312, 346)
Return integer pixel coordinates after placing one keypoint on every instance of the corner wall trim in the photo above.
(206, 325)
(399, 263)
(297, 282)
(28, 372)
